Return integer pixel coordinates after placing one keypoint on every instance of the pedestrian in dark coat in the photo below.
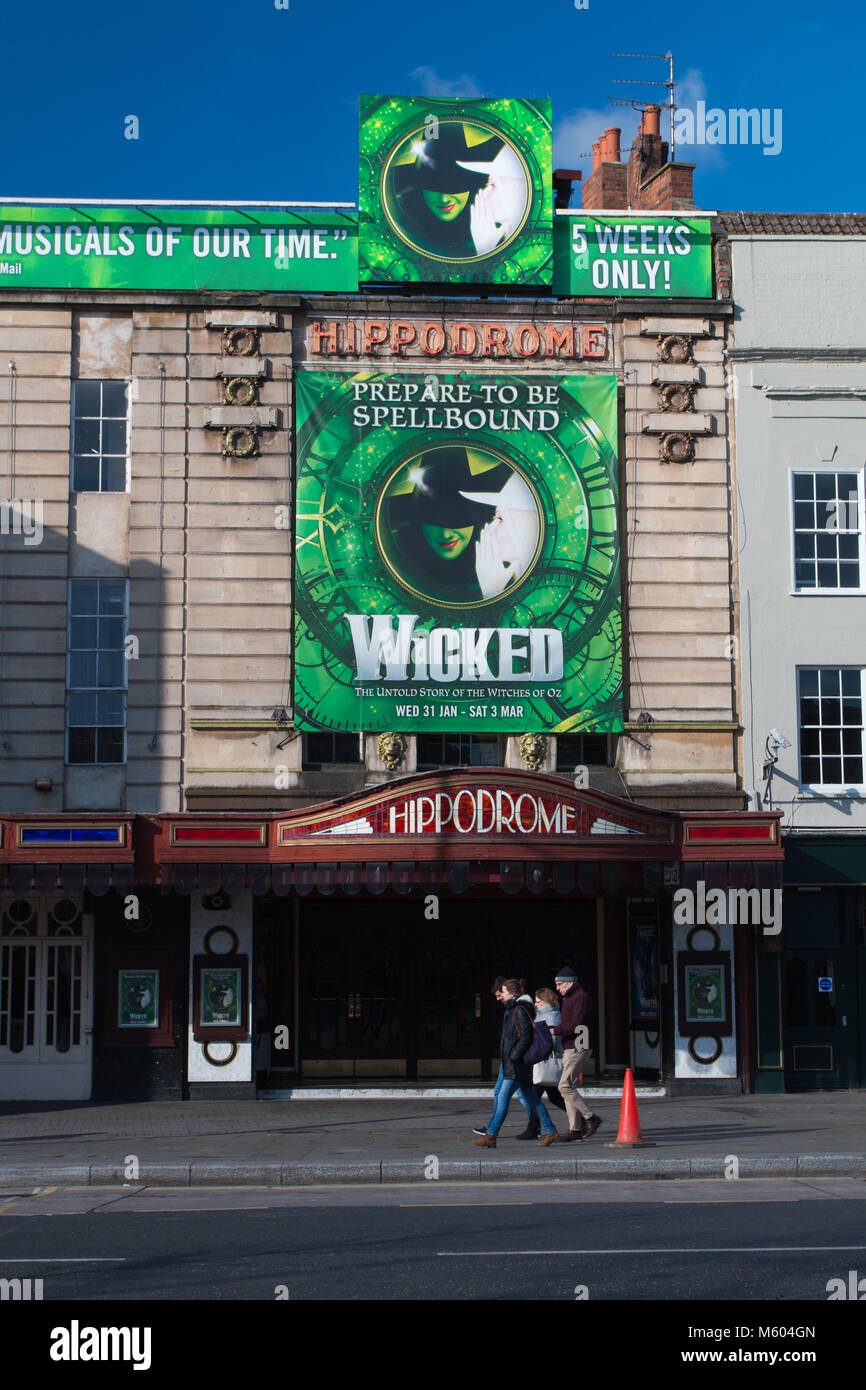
(516, 1040)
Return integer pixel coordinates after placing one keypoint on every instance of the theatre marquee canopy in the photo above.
(455, 830)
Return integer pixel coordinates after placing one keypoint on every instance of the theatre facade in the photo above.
(353, 942)
(370, 629)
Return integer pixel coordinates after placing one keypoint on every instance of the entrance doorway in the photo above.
(388, 993)
(45, 1000)
(820, 1006)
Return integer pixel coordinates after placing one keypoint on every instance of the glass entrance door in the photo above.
(353, 999)
(452, 988)
(387, 993)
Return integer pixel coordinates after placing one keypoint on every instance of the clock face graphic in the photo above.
(480, 535)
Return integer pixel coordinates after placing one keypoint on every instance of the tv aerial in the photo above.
(667, 82)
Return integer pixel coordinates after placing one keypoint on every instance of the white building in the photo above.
(798, 376)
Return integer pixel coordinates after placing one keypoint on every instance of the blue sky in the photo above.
(250, 101)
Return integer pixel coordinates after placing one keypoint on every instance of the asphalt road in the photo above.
(690, 1241)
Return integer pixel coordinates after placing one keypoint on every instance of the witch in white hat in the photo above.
(498, 209)
(508, 544)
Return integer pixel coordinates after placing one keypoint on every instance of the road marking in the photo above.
(144, 1211)
(68, 1260)
(663, 1250)
(428, 1206)
(11, 1203)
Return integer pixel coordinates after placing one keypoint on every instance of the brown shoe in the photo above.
(592, 1125)
(487, 1141)
(547, 1139)
(570, 1136)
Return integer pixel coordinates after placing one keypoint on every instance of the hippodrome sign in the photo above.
(539, 339)
(483, 809)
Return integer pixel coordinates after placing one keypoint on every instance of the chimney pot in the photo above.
(610, 144)
(650, 120)
(596, 155)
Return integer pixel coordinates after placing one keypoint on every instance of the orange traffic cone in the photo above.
(629, 1136)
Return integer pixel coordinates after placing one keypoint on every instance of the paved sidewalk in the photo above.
(404, 1140)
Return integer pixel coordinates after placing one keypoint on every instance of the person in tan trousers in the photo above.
(573, 1028)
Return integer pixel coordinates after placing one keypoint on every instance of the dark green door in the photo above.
(820, 1016)
(819, 1037)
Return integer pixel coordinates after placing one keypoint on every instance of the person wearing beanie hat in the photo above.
(577, 1014)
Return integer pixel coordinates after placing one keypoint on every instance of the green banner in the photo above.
(632, 256)
(457, 552)
(457, 192)
(177, 249)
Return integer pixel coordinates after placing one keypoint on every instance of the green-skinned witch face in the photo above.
(448, 542)
(445, 206)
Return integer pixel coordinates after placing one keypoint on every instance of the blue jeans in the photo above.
(530, 1101)
(498, 1087)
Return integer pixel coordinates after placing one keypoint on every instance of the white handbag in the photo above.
(548, 1072)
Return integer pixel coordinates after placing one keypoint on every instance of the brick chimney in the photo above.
(648, 182)
(607, 184)
(654, 184)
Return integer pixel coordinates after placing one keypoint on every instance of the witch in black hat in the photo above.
(433, 195)
(432, 531)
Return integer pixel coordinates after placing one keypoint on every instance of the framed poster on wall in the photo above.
(704, 994)
(220, 1012)
(138, 1000)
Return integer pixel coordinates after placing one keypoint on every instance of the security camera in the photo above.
(780, 738)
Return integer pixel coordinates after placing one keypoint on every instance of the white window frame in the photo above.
(838, 788)
(861, 533)
(127, 476)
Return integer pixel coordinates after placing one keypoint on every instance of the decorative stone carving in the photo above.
(240, 442)
(677, 396)
(533, 750)
(676, 448)
(675, 347)
(391, 748)
(241, 390)
(240, 342)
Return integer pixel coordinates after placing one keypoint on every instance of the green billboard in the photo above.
(457, 552)
(632, 255)
(456, 192)
(123, 248)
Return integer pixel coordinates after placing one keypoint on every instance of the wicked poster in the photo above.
(457, 554)
(455, 191)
